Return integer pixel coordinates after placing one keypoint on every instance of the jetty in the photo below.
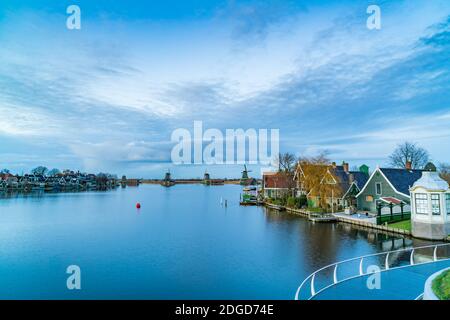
(321, 217)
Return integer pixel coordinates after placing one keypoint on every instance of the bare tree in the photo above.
(444, 171)
(53, 172)
(286, 162)
(41, 170)
(409, 151)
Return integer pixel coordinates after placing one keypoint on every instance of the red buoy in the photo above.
(138, 205)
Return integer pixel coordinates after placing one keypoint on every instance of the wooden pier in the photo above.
(321, 217)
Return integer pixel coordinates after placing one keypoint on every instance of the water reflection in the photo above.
(327, 243)
(183, 244)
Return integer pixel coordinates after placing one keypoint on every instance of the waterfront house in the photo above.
(278, 184)
(345, 185)
(10, 182)
(308, 177)
(330, 185)
(66, 181)
(430, 206)
(387, 190)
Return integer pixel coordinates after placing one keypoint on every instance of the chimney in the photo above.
(351, 178)
(345, 165)
(408, 165)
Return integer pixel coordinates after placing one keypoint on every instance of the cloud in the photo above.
(115, 91)
(120, 151)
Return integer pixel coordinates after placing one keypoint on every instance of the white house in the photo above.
(430, 207)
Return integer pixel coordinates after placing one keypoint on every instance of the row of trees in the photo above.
(41, 170)
(44, 171)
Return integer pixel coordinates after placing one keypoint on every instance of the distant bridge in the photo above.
(402, 274)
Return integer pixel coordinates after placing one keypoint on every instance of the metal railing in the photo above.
(313, 290)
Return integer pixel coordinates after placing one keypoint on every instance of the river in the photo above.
(181, 244)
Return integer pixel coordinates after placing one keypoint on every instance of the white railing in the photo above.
(387, 266)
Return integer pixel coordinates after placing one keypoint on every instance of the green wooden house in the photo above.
(387, 191)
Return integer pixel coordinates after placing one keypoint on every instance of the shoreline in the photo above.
(368, 225)
(190, 181)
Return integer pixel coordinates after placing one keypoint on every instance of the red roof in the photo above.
(277, 180)
(391, 200)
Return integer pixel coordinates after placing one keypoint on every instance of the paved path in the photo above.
(355, 217)
(405, 283)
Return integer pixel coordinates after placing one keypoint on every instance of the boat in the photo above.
(321, 217)
(249, 196)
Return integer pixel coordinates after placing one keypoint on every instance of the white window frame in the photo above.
(422, 206)
(435, 204)
(376, 188)
(447, 202)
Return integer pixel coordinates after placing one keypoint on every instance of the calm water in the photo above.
(182, 244)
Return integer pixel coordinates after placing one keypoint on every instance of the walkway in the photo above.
(360, 217)
(401, 275)
(405, 283)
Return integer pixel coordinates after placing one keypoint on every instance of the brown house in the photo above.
(329, 185)
(278, 184)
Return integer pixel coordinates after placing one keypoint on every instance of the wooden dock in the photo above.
(321, 217)
(275, 206)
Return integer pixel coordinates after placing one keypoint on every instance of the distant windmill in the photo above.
(245, 172)
(167, 176)
(168, 182)
(246, 180)
(206, 178)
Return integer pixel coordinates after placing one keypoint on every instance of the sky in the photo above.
(107, 97)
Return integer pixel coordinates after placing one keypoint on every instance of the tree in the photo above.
(409, 151)
(310, 174)
(5, 171)
(54, 172)
(39, 170)
(444, 171)
(286, 162)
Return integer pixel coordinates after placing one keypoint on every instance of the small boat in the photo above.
(249, 196)
(321, 217)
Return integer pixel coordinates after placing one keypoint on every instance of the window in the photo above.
(421, 203)
(378, 188)
(435, 204)
(447, 201)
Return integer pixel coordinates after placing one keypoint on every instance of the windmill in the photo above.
(167, 182)
(206, 178)
(245, 172)
(167, 176)
(246, 180)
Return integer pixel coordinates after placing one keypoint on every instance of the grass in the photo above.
(441, 286)
(404, 225)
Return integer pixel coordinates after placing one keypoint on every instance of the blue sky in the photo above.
(107, 97)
